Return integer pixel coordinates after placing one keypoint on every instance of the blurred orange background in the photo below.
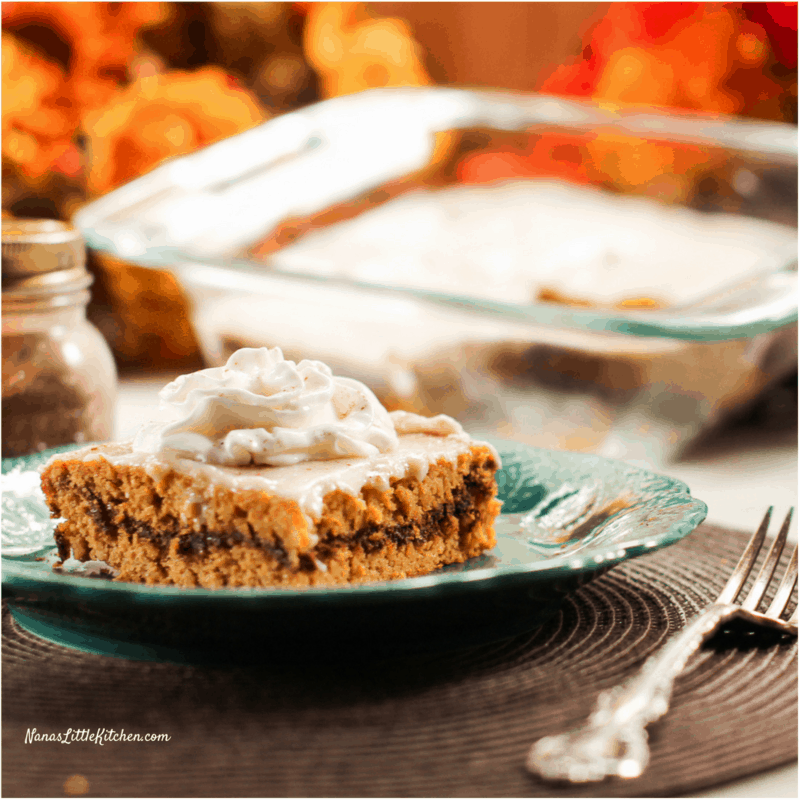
(95, 94)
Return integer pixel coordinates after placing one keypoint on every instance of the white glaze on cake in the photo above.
(508, 241)
(307, 482)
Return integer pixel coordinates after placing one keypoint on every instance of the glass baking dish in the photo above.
(560, 273)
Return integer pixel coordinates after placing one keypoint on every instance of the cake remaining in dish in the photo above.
(274, 473)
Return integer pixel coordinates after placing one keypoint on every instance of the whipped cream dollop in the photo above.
(262, 409)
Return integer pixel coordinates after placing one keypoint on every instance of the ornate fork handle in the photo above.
(613, 741)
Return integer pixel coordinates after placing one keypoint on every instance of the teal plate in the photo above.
(567, 518)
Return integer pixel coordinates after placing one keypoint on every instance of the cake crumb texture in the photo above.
(177, 530)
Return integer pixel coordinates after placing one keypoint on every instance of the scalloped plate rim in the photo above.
(558, 566)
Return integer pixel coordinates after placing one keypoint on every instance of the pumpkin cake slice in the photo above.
(271, 473)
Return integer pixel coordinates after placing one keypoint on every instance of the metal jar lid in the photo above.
(42, 256)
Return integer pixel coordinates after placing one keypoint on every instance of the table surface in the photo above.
(737, 474)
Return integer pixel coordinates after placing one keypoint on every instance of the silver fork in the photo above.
(613, 741)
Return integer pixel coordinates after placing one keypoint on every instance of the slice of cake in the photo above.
(266, 472)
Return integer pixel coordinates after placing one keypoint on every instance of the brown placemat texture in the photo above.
(445, 724)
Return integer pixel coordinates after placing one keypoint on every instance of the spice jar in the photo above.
(59, 378)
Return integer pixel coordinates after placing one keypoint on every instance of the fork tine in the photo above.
(759, 587)
(745, 565)
(784, 593)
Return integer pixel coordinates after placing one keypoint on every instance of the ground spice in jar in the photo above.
(58, 374)
(42, 405)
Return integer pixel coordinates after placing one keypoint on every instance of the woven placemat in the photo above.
(446, 724)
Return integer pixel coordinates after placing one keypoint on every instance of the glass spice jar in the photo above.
(59, 378)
